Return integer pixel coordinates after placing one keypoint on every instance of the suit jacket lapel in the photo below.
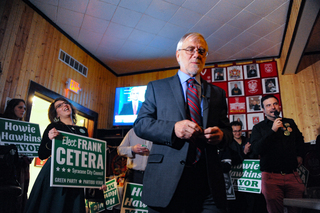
(175, 87)
(205, 95)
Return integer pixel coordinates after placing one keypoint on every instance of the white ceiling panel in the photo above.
(78, 6)
(150, 24)
(161, 10)
(200, 6)
(70, 17)
(135, 36)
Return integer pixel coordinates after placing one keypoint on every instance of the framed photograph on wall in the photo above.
(270, 85)
(236, 88)
(251, 71)
(240, 118)
(253, 119)
(218, 74)
(234, 73)
(254, 103)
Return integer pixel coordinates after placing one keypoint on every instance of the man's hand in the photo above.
(277, 124)
(138, 149)
(213, 135)
(246, 149)
(186, 129)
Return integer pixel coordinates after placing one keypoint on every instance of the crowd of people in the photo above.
(180, 146)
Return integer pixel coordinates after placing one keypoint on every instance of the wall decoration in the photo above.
(253, 119)
(268, 69)
(254, 103)
(270, 85)
(218, 74)
(251, 71)
(237, 105)
(206, 75)
(234, 73)
(236, 88)
(240, 118)
(253, 87)
(253, 81)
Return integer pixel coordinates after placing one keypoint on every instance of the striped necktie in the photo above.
(195, 113)
(193, 102)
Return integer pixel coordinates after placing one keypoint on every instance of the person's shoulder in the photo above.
(164, 79)
(288, 120)
(163, 83)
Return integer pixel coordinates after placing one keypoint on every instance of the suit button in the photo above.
(182, 162)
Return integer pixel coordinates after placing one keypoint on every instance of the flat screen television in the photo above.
(128, 101)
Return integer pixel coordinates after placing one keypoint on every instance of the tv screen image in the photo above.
(128, 101)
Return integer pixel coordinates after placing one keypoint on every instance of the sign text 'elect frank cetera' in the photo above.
(77, 161)
(26, 136)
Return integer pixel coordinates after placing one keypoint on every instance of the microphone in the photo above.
(276, 114)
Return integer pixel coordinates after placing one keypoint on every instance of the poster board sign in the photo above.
(77, 161)
(111, 194)
(304, 174)
(95, 207)
(246, 177)
(229, 187)
(26, 136)
(132, 199)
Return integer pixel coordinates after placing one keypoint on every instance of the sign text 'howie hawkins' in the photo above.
(26, 136)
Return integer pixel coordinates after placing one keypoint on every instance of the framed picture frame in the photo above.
(270, 85)
(240, 118)
(234, 73)
(235, 88)
(218, 74)
(253, 119)
(251, 71)
(254, 103)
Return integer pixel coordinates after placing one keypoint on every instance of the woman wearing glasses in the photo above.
(44, 198)
(15, 110)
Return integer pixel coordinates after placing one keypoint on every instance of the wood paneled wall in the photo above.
(300, 93)
(29, 48)
(300, 96)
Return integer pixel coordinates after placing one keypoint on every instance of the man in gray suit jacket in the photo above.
(175, 180)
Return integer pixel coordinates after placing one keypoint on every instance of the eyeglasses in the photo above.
(193, 50)
(237, 131)
(60, 105)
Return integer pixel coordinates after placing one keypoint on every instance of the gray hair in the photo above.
(194, 34)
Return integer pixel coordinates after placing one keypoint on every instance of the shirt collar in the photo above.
(184, 77)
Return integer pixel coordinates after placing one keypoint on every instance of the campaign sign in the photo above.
(304, 174)
(111, 194)
(246, 177)
(132, 199)
(77, 161)
(96, 207)
(26, 136)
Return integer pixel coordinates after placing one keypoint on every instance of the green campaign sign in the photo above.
(132, 199)
(96, 207)
(26, 136)
(111, 194)
(77, 161)
(246, 177)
